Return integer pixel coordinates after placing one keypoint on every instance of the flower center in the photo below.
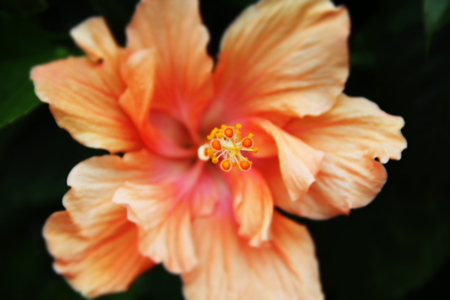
(225, 145)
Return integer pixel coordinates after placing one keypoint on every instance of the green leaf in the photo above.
(436, 15)
(24, 45)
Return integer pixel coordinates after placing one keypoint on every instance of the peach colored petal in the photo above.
(253, 205)
(174, 30)
(270, 170)
(138, 70)
(95, 264)
(288, 56)
(83, 94)
(94, 37)
(352, 135)
(299, 163)
(94, 244)
(163, 213)
(353, 124)
(326, 196)
(230, 269)
(95, 181)
(82, 102)
(263, 140)
(348, 180)
(165, 224)
(205, 193)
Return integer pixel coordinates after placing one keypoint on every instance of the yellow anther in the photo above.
(238, 126)
(255, 150)
(215, 160)
(250, 135)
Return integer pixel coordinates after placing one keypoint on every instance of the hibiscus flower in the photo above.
(202, 153)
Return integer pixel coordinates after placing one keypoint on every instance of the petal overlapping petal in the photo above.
(83, 94)
(138, 71)
(353, 124)
(164, 211)
(277, 57)
(299, 163)
(282, 68)
(94, 37)
(253, 205)
(94, 244)
(230, 269)
(352, 135)
(95, 181)
(95, 264)
(205, 191)
(173, 28)
(165, 224)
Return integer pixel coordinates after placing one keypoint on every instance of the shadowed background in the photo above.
(398, 247)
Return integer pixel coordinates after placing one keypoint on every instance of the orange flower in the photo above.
(277, 87)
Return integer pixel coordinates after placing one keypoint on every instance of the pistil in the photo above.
(225, 147)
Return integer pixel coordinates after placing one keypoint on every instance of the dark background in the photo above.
(398, 247)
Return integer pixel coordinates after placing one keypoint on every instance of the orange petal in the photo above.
(165, 225)
(352, 135)
(95, 264)
(299, 163)
(94, 243)
(163, 212)
(229, 268)
(285, 56)
(348, 180)
(138, 70)
(95, 181)
(174, 29)
(354, 124)
(83, 95)
(262, 139)
(94, 37)
(253, 205)
(205, 191)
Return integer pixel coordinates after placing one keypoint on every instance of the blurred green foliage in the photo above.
(396, 248)
(436, 15)
(23, 45)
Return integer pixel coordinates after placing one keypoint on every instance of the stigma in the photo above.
(225, 148)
